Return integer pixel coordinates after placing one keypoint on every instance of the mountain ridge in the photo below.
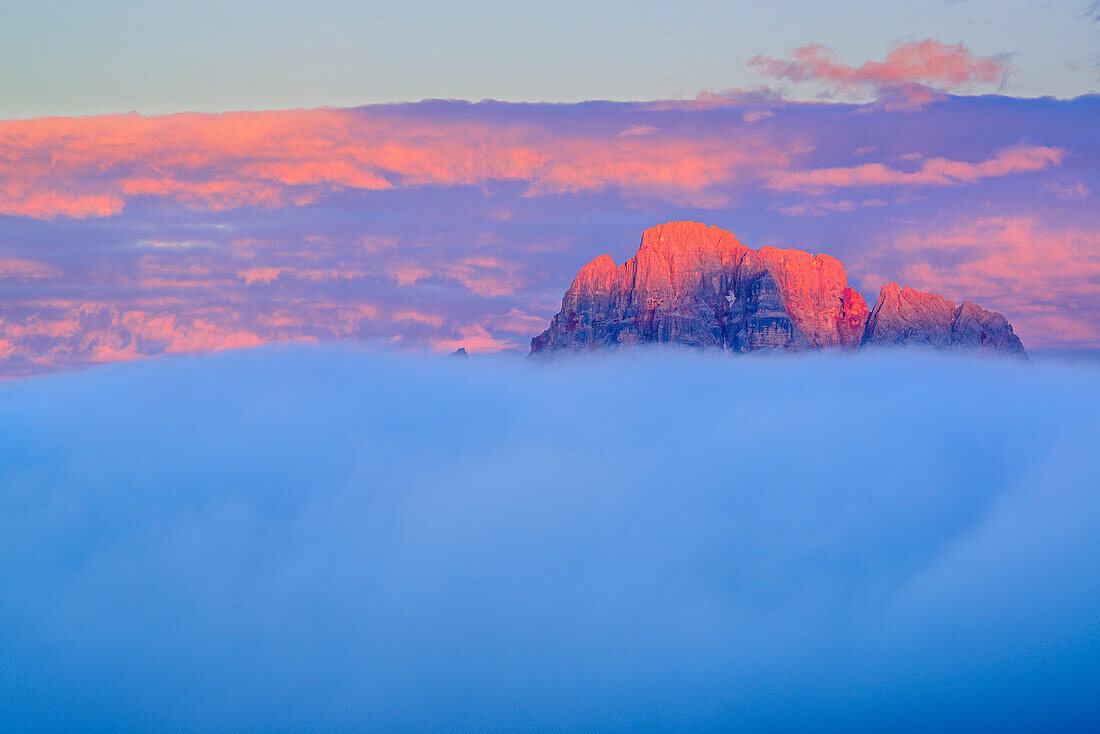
(698, 285)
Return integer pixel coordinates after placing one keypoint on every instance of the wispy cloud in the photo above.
(911, 71)
(931, 172)
(473, 339)
(1075, 190)
(15, 268)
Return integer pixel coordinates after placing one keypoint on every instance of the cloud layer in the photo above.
(316, 539)
(128, 236)
(93, 166)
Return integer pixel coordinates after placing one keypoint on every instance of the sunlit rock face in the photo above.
(695, 285)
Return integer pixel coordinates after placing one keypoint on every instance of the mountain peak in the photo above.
(698, 285)
(686, 237)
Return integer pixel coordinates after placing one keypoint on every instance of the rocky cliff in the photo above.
(905, 316)
(696, 285)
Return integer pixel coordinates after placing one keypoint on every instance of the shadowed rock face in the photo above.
(905, 316)
(696, 285)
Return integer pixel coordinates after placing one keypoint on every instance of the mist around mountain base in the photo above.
(307, 538)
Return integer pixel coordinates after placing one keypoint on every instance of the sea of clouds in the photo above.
(303, 538)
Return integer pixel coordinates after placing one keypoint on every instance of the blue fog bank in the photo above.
(328, 539)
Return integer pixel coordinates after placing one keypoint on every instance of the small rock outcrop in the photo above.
(696, 285)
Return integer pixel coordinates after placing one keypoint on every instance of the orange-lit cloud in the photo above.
(93, 166)
(931, 172)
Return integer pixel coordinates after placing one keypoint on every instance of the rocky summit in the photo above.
(695, 285)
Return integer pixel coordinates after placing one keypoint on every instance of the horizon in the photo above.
(701, 98)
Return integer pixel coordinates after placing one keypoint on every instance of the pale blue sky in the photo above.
(76, 57)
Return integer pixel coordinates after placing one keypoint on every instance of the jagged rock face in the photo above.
(906, 316)
(987, 331)
(816, 295)
(696, 285)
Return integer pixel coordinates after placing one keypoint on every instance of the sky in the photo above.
(320, 538)
(69, 57)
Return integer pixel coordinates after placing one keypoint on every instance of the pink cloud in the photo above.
(267, 274)
(485, 276)
(1075, 191)
(64, 332)
(349, 315)
(15, 268)
(39, 327)
(408, 273)
(709, 99)
(180, 336)
(671, 169)
(932, 172)
(817, 208)
(473, 339)
(158, 283)
(93, 166)
(261, 274)
(98, 332)
(518, 322)
(428, 319)
(913, 70)
(327, 274)
(480, 274)
(757, 115)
